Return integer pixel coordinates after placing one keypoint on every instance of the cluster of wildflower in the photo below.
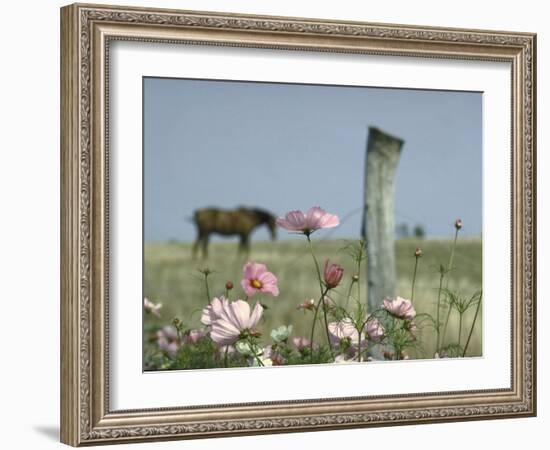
(352, 335)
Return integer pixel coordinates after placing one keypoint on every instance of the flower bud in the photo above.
(418, 252)
(355, 278)
(229, 285)
(458, 224)
(307, 305)
(333, 274)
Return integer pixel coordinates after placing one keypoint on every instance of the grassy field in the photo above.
(172, 278)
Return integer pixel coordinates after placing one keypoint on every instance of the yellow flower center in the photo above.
(256, 284)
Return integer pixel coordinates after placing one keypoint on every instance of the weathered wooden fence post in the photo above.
(378, 226)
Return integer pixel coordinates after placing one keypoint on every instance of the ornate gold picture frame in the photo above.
(87, 33)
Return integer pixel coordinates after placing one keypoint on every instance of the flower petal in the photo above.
(253, 271)
(293, 221)
(271, 289)
(240, 311)
(224, 333)
(255, 316)
(269, 283)
(296, 219)
(248, 270)
(329, 221)
(206, 317)
(314, 216)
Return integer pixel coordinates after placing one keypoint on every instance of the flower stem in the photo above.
(176, 323)
(460, 328)
(449, 268)
(253, 348)
(446, 322)
(451, 257)
(414, 278)
(323, 293)
(321, 301)
(398, 351)
(358, 291)
(471, 329)
(326, 324)
(349, 293)
(317, 268)
(260, 363)
(359, 259)
(208, 298)
(438, 329)
(313, 330)
(359, 346)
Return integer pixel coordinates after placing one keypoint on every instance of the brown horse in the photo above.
(237, 222)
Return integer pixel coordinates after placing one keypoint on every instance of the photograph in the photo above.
(289, 223)
(294, 224)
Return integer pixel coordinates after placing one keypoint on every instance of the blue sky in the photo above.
(291, 146)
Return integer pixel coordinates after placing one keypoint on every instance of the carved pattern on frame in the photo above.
(85, 225)
(87, 16)
(306, 422)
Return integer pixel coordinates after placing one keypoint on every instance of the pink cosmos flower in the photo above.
(345, 330)
(167, 340)
(151, 308)
(374, 329)
(400, 308)
(301, 342)
(333, 274)
(214, 310)
(228, 320)
(256, 278)
(271, 357)
(194, 336)
(315, 219)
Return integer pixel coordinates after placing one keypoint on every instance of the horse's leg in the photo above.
(245, 244)
(205, 240)
(196, 246)
(241, 244)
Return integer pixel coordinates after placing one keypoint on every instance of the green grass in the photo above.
(172, 278)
